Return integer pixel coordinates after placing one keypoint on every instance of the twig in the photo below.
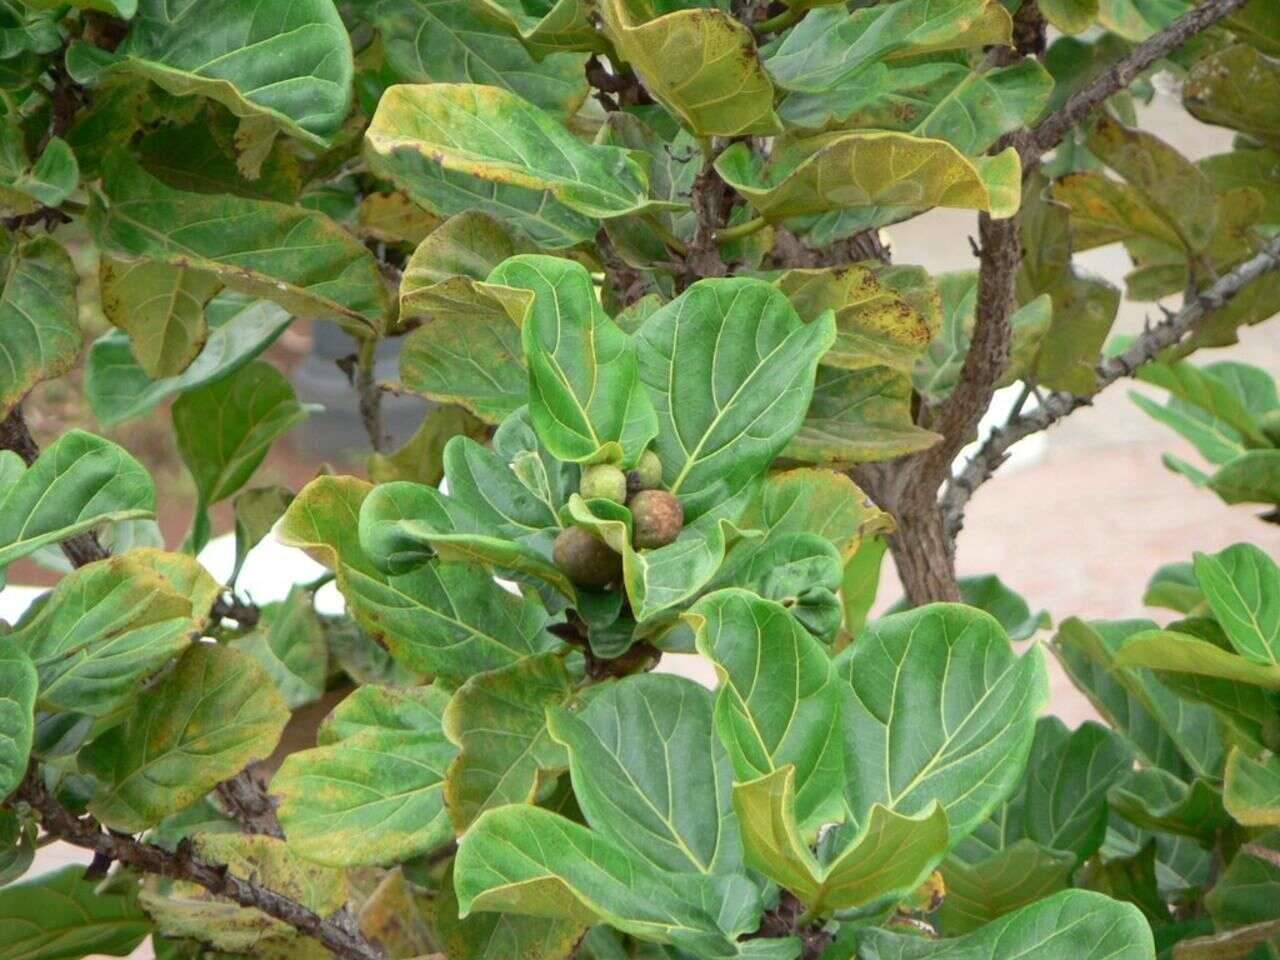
(342, 939)
(1055, 406)
(1050, 131)
(230, 607)
(369, 394)
(14, 435)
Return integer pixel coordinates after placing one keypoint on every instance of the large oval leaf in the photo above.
(287, 65)
(39, 330)
(650, 774)
(729, 366)
(64, 916)
(18, 683)
(941, 710)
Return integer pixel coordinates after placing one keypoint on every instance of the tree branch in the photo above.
(1168, 333)
(342, 939)
(1051, 130)
(14, 435)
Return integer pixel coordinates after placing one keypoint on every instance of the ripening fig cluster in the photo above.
(657, 517)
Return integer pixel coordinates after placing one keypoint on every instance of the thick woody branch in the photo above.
(1050, 131)
(342, 939)
(1168, 333)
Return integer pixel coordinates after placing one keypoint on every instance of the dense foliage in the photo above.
(684, 401)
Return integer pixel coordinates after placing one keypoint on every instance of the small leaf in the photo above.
(1074, 923)
(39, 325)
(890, 857)
(1252, 792)
(1157, 800)
(206, 721)
(1247, 889)
(498, 720)
(371, 794)
(650, 774)
(847, 170)
(18, 683)
(1242, 587)
(586, 401)
(492, 134)
(161, 308)
(256, 513)
(78, 482)
(118, 389)
(481, 935)
(523, 859)
(1251, 478)
(289, 644)
(942, 710)
(1237, 88)
(1168, 650)
(859, 416)
(300, 259)
(63, 916)
(730, 410)
(821, 502)
(421, 459)
(787, 713)
(291, 68)
(1070, 16)
(225, 429)
(699, 64)
(25, 186)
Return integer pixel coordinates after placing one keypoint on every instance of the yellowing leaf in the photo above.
(700, 64)
(39, 326)
(848, 170)
(161, 307)
(1239, 88)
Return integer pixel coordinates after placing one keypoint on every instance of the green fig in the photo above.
(645, 475)
(657, 518)
(603, 482)
(586, 560)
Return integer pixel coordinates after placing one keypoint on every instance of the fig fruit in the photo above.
(645, 475)
(657, 518)
(586, 560)
(603, 482)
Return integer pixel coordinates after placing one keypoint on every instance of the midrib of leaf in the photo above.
(1252, 622)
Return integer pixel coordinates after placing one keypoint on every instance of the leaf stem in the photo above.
(667, 237)
(786, 18)
(739, 230)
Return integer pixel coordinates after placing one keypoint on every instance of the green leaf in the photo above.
(991, 594)
(779, 701)
(107, 627)
(189, 912)
(1070, 16)
(498, 720)
(1155, 799)
(650, 774)
(161, 308)
(1201, 388)
(289, 68)
(225, 429)
(1252, 791)
(289, 644)
(494, 135)
(841, 171)
(39, 324)
(1069, 774)
(62, 916)
(1236, 88)
(447, 41)
(78, 482)
(523, 859)
(859, 416)
(373, 793)
(1247, 889)
(1169, 650)
(585, 398)
(1251, 478)
(546, 26)
(214, 714)
(1167, 731)
(887, 859)
(293, 256)
(1076, 924)
(421, 459)
(466, 245)
(1016, 877)
(450, 619)
(942, 710)
(479, 478)
(821, 502)
(739, 391)
(118, 389)
(489, 935)
(699, 64)
(26, 187)
(1242, 587)
(18, 683)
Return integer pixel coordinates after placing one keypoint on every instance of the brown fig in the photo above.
(657, 518)
(586, 560)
